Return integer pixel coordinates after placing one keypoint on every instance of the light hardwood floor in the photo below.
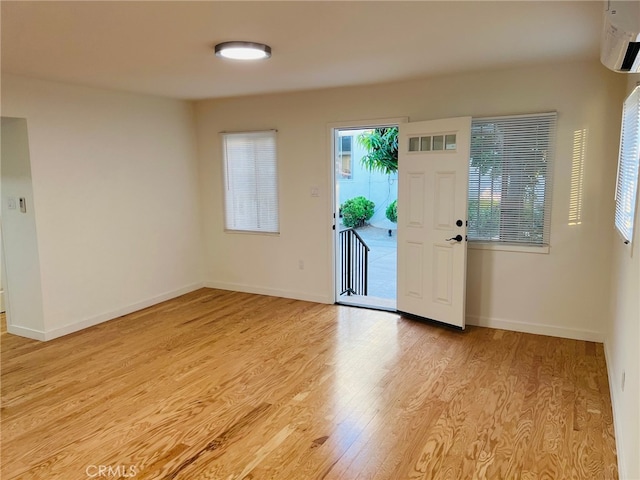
(225, 385)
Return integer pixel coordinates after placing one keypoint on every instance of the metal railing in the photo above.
(354, 263)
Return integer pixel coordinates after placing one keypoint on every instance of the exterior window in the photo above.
(344, 157)
(510, 179)
(250, 181)
(627, 184)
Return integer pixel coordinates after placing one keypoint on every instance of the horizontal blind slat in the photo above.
(251, 193)
(509, 174)
(627, 181)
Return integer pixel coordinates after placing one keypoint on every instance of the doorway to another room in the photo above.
(366, 192)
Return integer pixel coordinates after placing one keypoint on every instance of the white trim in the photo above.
(536, 328)
(520, 115)
(374, 303)
(269, 157)
(27, 332)
(225, 132)
(272, 292)
(251, 232)
(104, 317)
(507, 247)
(617, 421)
(375, 123)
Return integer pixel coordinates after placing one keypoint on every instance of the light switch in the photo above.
(11, 203)
(315, 192)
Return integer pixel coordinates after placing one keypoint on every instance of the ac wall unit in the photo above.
(620, 47)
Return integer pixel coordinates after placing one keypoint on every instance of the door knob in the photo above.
(457, 238)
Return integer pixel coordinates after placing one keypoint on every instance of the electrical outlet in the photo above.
(301, 264)
(623, 379)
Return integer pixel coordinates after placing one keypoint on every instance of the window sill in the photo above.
(252, 232)
(508, 247)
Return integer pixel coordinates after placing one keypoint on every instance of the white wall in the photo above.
(622, 346)
(116, 195)
(20, 239)
(565, 292)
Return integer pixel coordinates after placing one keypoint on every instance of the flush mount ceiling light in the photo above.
(243, 50)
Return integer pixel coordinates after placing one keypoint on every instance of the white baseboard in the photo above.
(27, 332)
(615, 406)
(90, 322)
(536, 328)
(273, 292)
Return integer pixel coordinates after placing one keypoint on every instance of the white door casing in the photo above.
(2, 275)
(433, 177)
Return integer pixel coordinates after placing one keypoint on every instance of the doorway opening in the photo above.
(365, 209)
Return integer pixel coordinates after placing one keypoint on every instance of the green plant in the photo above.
(392, 211)
(382, 149)
(356, 211)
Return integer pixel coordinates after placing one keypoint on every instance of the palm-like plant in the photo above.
(382, 149)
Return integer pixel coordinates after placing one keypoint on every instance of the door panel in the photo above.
(416, 200)
(413, 273)
(442, 274)
(444, 198)
(433, 176)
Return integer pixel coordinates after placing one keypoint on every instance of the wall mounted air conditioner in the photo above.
(620, 47)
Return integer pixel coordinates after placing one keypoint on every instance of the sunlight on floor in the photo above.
(367, 344)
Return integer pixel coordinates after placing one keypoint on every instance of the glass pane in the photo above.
(509, 161)
(438, 142)
(346, 144)
(414, 144)
(450, 142)
(425, 144)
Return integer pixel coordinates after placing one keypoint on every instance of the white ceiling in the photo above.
(166, 48)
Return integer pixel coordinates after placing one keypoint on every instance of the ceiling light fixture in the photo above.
(243, 50)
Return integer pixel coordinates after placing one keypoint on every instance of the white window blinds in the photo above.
(510, 178)
(251, 181)
(627, 184)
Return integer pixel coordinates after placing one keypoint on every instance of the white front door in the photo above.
(433, 177)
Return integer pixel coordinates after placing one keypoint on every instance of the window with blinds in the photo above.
(627, 184)
(250, 181)
(510, 179)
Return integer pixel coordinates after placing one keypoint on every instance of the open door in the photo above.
(433, 177)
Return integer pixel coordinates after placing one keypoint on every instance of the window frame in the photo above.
(550, 138)
(227, 222)
(627, 176)
(342, 153)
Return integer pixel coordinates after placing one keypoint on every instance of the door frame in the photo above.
(332, 205)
